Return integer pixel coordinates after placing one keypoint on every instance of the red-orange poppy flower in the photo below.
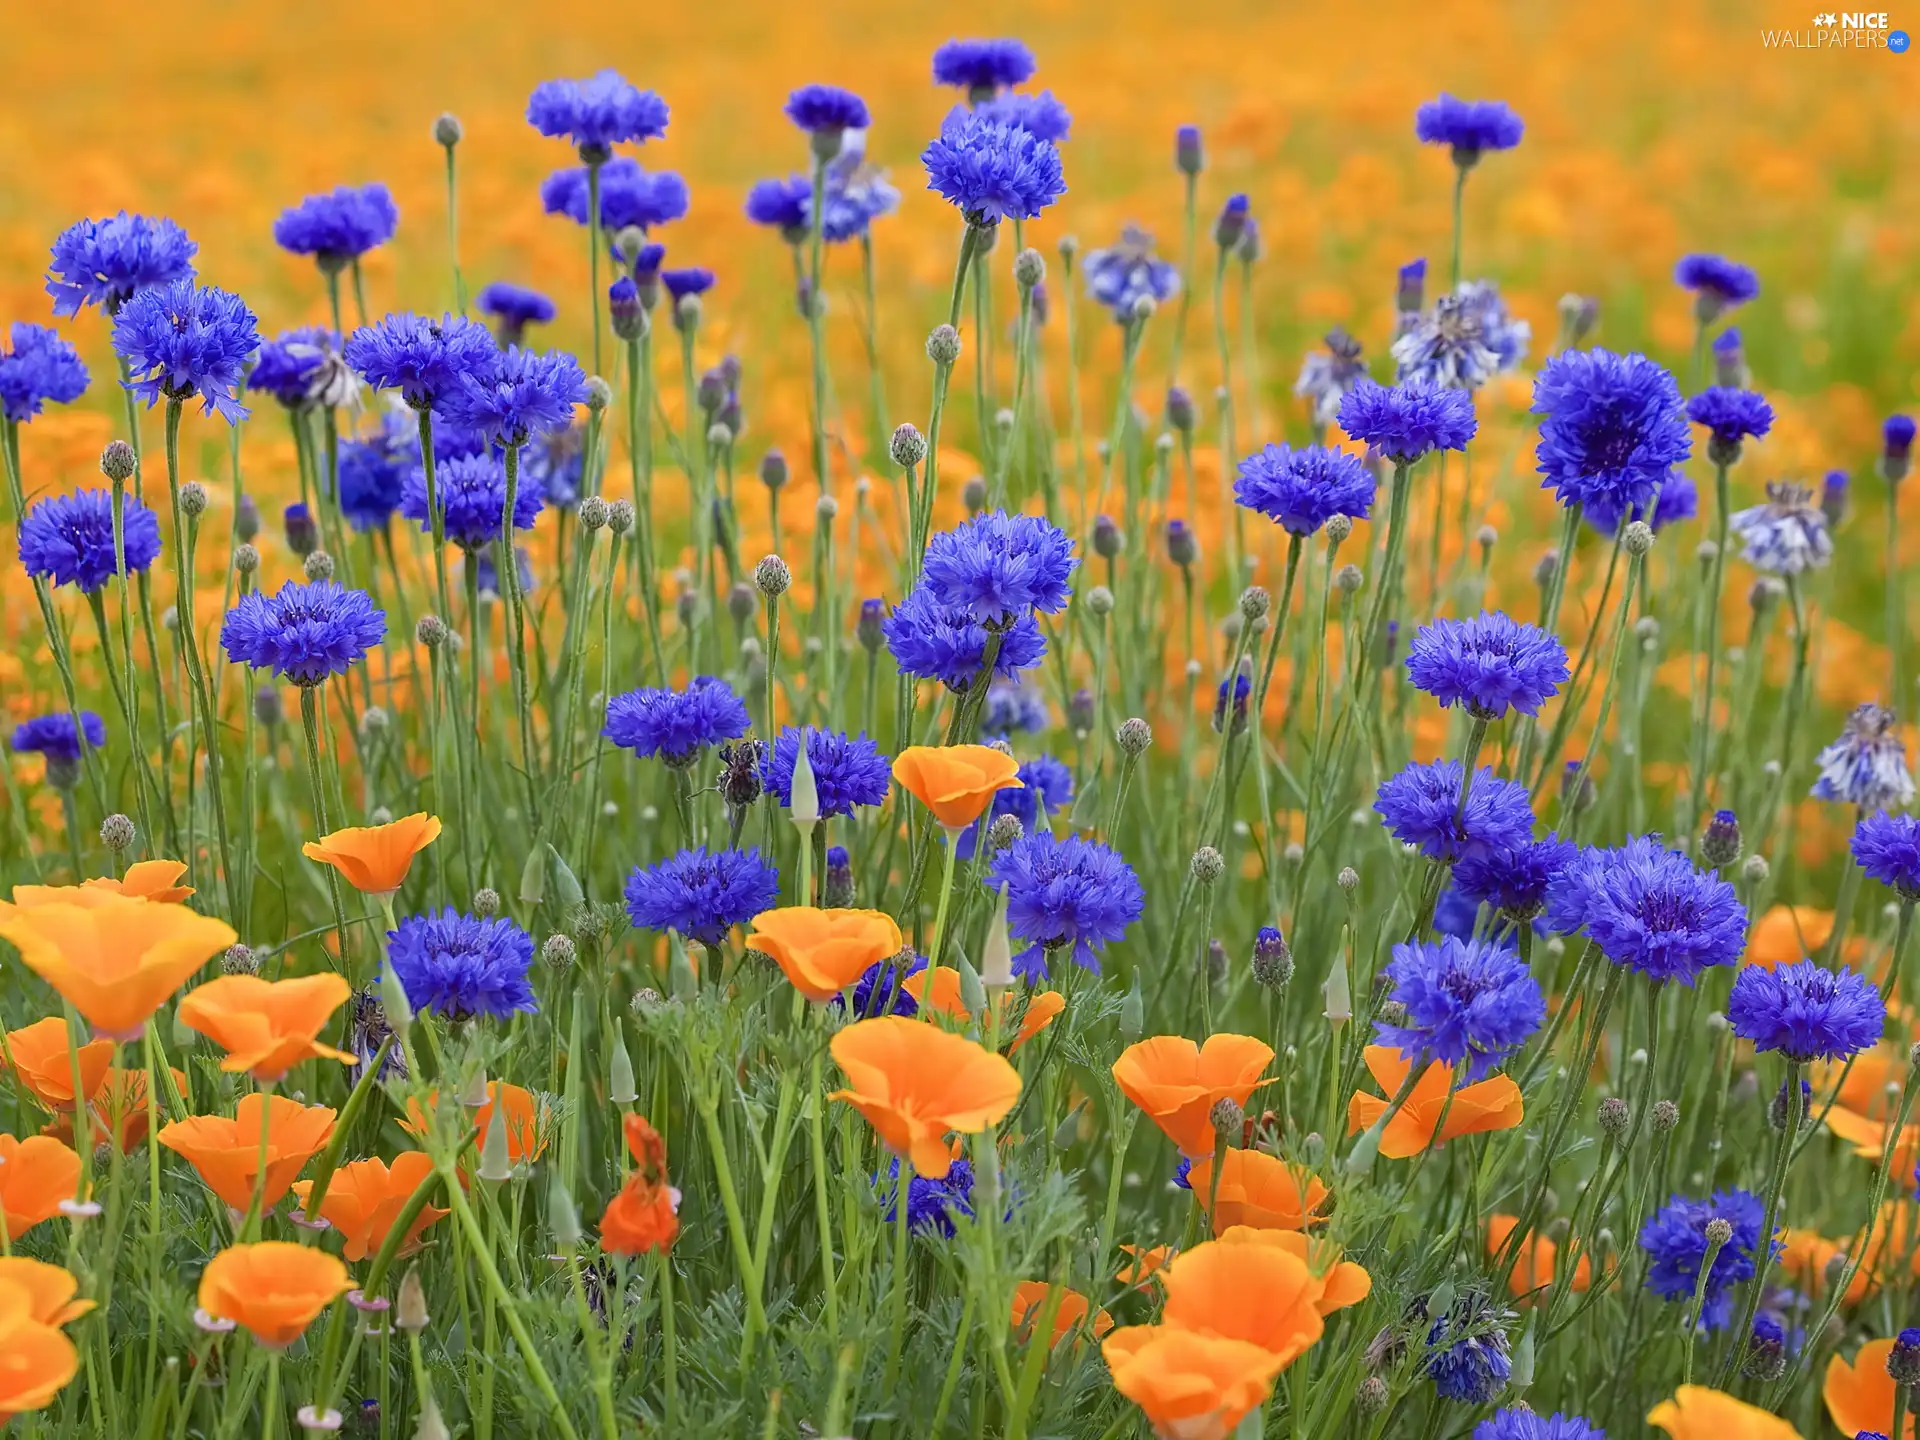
(1342, 1283)
(1177, 1083)
(1697, 1413)
(1533, 1261)
(1145, 1263)
(122, 1095)
(1869, 1137)
(49, 1288)
(937, 992)
(1259, 1190)
(36, 1174)
(1073, 1311)
(1860, 1396)
(1809, 1256)
(273, 1290)
(365, 1198)
(43, 1065)
(1190, 1385)
(227, 1152)
(1868, 1085)
(267, 1026)
(36, 1359)
(915, 1083)
(114, 959)
(642, 1216)
(823, 951)
(155, 880)
(1261, 1294)
(524, 1120)
(374, 859)
(1043, 1008)
(956, 782)
(1493, 1104)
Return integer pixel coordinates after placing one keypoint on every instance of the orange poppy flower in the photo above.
(267, 1026)
(1259, 1190)
(115, 960)
(155, 880)
(1869, 1137)
(1493, 1104)
(124, 1094)
(1144, 1265)
(1697, 1413)
(1177, 1083)
(1342, 1283)
(1257, 1293)
(374, 859)
(40, 1060)
(1860, 1396)
(1533, 1262)
(823, 951)
(364, 1199)
(956, 782)
(643, 1216)
(36, 1174)
(36, 1359)
(1190, 1385)
(1787, 933)
(526, 1134)
(1030, 1301)
(227, 1152)
(937, 992)
(1807, 1255)
(915, 1082)
(1043, 1008)
(272, 1289)
(49, 1288)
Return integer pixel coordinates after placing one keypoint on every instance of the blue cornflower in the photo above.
(460, 966)
(785, 205)
(1867, 765)
(58, 739)
(1676, 499)
(1611, 427)
(1410, 287)
(1327, 375)
(182, 339)
(688, 280)
(423, 359)
(1119, 276)
(70, 538)
(596, 114)
(472, 490)
(882, 983)
(557, 460)
(1513, 880)
(945, 643)
(1470, 127)
(374, 470)
(1732, 416)
(827, 109)
(1013, 706)
(1469, 1003)
(991, 170)
(340, 225)
(1675, 1239)
(630, 194)
(40, 367)
(1785, 536)
(1806, 1012)
(1467, 339)
(103, 262)
(1233, 692)
(676, 725)
(1043, 781)
(857, 194)
(980, 67)
(1041, 115)
(1896, 440)
(1469, 1360)
(931, 1204)
(847, 769)
(521, 393)
(1717, 282)
(303, 633)
(1419, 804)
(1648, 908)
(702, 894)
(996, 567)
(1489, 663)
(1404, 422)
(1887, 847)
(292, 362)
(1523, 1424)
(513, 307)
(1072, 895)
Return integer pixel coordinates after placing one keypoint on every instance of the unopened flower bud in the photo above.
(1338, 528)
(1754, 869)
(1348, 879)
(772, 577)
(1348, 579)
(1614, 1117)
(1546, 569)
(1134, 736)
(1100, 602)
(1638, 539)
(117, 461)
(1664, 1115)
(239, 960)
(318, 565)
(1903, 1361)
(1721, 843)
(246, 559)
(908, 447)
(117, 833)
(559, 951)
(594, 513)
(1029, 268)
(1179, 409)
(973, 494)
(410, 1311)
(1255, 602)
(1003, 832)
(447, 130)
(1229, 1120)
(1372, 1396)
(943, 345)
(1718, 1232)
(193, 499)
(486, 902)
(1207, 865)
(431, 631)
(1107, 539)
(620, 516)
(1272, 958)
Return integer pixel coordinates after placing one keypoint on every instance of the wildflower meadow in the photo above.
(1074, 724)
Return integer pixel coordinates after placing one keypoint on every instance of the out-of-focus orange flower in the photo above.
(271, 1289)
(1533, 1262)
(1144, 1265)
(124, 1094)
(365, 1198)
(1860, 1396)
(1869, 1137)
(643, 1216)
(1190, 1386)
(526, 1135)
(49, 1288)
(1043, 1008)
(1177, 1083)
(40, 1060)
(1697, 1413)
(155, 880)
(915, 1082)
(1030, 1302)
(1342, 1283)
(1493, 1104)
(1259, 1190)
(115, 960)
(823, 951)
(956, 782)
(1787, 933)
(374, 859)
(267, 1026)
(1808, 1255)
(36, 1174)
(1868, 1086)
(1257, 1293)
(38, 1359)
(226, 1152)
